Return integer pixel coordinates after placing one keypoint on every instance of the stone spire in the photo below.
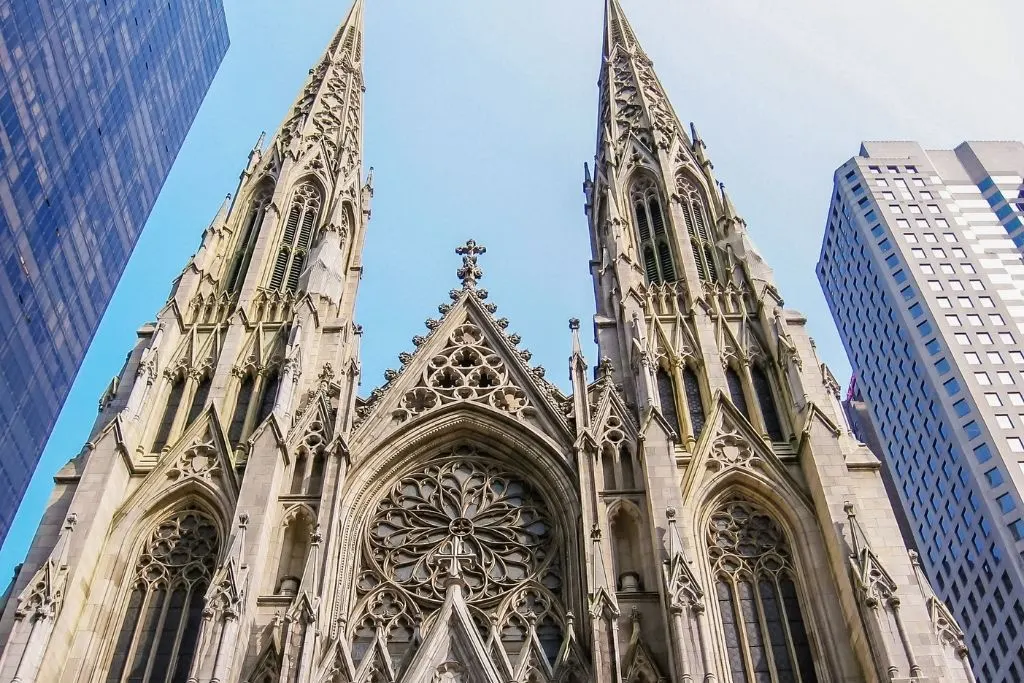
(633, 100)
(313, 108)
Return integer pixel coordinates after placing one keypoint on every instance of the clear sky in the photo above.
(481, 114)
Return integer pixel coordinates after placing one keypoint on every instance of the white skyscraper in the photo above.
(921, 265)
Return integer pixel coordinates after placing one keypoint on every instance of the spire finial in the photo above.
(470, 272)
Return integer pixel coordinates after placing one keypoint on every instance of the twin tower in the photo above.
(696, 510)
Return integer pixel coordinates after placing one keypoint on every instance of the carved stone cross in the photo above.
(452, 553)
(470, 272)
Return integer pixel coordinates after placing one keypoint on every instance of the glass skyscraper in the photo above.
(95, 100)
(922, 267)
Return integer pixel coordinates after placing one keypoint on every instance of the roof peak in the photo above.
(617, 30)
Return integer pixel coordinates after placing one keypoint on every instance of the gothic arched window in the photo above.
(463, 511)
(667, 398)
(755, 583)
(249, 234)
(650, 226)
(626, 466)
(199, 399)
(608, 468)
(268, 397)
(163, 431)
(696, 219)
(157, 639)
(736, 393)
(242, 401)
(766, 401)
(694, 400)
(298, 234)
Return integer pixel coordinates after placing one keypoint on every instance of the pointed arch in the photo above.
(243, 399)
(199, 397)
(491, 446)
(625, 523)
(259, 202)
(293, 551)
(766, 402)
(737, 393)
(174, 396)
(667, 398)
(695, 215)
(161, 621)
(756, 580)
(645, 198)
(694, 400)
(300, 221)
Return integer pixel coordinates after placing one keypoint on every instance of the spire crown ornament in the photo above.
(470, 272)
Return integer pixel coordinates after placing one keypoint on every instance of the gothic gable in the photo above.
(200, 458)
(729, 445)
(467, 359)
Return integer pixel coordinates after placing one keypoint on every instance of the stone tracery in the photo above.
(467, 369)
(463, 509)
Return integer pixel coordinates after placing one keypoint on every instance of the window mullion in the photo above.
(133, 646)
(133, 649)
(741, 629)
(157, 632)
(182, 625)
(784, 617)
(766, 637)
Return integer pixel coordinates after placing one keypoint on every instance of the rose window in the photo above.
(495, 522)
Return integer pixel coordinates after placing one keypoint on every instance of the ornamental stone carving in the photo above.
(731, 449)
(491, 518)
(467, 369)
(198, 460)
(463, 516)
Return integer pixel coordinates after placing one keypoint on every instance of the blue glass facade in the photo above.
(96, 97)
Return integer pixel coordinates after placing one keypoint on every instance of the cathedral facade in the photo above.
(695, 510)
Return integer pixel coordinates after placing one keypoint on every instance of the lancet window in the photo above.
(736, 391)
(766, 401)
(243, 400)
(649, 216)
(756, 588)
(174, 396)
(199, 397)
(157, 639)
(249, 234)
(696, 218)
(694, 401)
(297, 238)
(254, 401)
(667, 398)
(462, 512)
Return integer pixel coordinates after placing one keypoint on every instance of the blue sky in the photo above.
(481, 114)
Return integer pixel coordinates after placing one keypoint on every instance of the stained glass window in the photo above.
(754, 581)
(157, 639)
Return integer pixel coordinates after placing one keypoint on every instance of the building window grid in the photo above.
(969, 558)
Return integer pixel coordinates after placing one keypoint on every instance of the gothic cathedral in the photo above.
(697, 510)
